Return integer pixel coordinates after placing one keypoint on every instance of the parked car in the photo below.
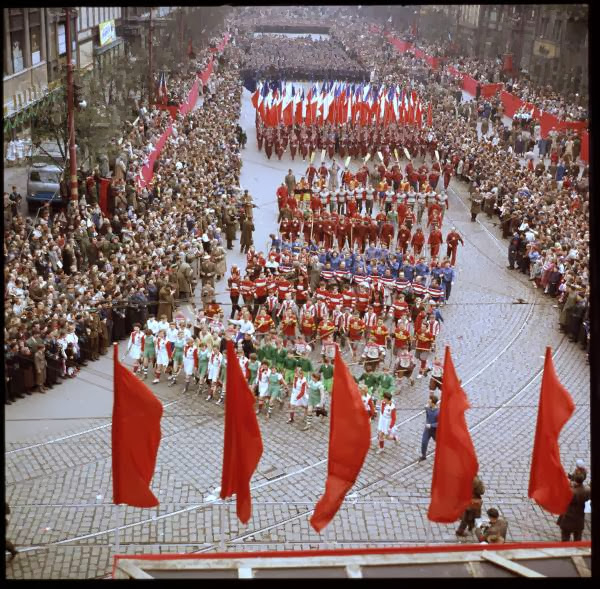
(43, 185)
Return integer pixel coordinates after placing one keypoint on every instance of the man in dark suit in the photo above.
(573, 520)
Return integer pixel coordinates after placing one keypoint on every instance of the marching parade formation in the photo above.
(360, 265)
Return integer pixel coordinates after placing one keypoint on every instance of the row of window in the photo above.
(18, 21)
(91, 16)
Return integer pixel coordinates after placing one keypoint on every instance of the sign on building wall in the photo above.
(546, 49)
(107, 32)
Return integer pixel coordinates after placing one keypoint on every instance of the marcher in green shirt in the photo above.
(289, 366)
(326, 371)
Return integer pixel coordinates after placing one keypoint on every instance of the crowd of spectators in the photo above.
(77, 279)
(491, 71)
(543, 209)
(299, 58)
(255, 17)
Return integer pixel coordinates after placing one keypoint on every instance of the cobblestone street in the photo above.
(58, 479)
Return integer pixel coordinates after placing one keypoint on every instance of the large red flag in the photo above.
(430, 116)
(349, 440)
(243, 444)
(135, 438)
(455, 465)
(548, 483)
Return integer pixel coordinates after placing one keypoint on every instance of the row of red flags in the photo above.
(338, 103)
(136, 438)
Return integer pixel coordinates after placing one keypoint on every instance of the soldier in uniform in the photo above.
(279, 147)
(293, 145)
(269, 143)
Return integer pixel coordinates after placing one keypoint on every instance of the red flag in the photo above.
(135, 438)
(103, 195)
(548, 483)
(430, 116)
(455, 465)
(243, 444)
(190, 50)
(349, 440)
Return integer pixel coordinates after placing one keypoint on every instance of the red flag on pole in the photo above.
(548, 483)
(455, 465)
(243, 444)
(430, 116)
(135, 438)
(349, 440)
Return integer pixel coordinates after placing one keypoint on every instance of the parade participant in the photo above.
(263, 322)
(326, 371)
(367, 400)
(452, 239)
(299, 395)
(162, 356)
(435, 240)
(437, 371)
(276, 384)
(447, 280)
(288, 326)
(190, 362)
(214, 369)
(177, 356)
(424, 342)
(135, 346)
(403, 239)
(431, 421)
(406, 365)
(262, 381)
(387, 420)
(203, 357)
(417, 241)
(372, 354)
(356, 331)
(316, 397)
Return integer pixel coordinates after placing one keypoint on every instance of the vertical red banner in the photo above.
(103, 196)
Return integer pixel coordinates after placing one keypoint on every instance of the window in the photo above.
(17, 41)
(35, 36)
(62, 38)
(62, 43)
(557, 30)
(17, 38)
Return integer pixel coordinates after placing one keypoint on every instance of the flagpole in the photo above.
(118, 505)
(117, 529)
(222, 524)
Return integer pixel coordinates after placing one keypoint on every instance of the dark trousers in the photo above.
(566, 536)
(447, 288)
(428, 433)
(467, 521)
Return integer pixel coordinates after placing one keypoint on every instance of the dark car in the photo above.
(43, 185)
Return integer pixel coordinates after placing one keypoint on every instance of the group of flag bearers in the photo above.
(136, 437)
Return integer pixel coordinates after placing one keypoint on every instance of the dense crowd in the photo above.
(298, 58)
(359, 263)
(77, 280)
(491, 71)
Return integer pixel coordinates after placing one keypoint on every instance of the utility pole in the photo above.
(150, 75)
(71, 111)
